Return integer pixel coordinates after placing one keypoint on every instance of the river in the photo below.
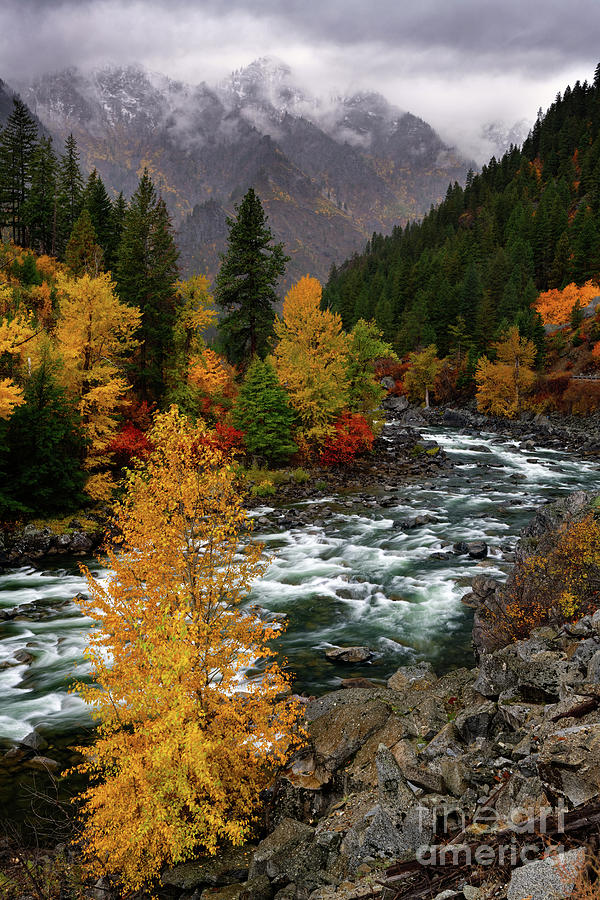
(364, 577)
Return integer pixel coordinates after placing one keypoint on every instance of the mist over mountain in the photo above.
(329, 171)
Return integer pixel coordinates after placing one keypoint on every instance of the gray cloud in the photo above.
(457, 63)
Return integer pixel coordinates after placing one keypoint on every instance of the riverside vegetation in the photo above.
(111, 398)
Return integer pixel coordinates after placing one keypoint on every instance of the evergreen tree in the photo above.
(70, 191)
(40, 208)
(146, 273)
(42, 453)
(97, 203)
(264, 414)
(83, 254)
(18, 144)
(245, 286)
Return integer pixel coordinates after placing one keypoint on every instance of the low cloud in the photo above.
(456, 64)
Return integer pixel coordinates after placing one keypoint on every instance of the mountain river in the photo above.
(364, 577)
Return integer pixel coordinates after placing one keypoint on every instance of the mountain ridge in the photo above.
(330, 171)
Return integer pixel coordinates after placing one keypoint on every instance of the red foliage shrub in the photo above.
(225, 438)
(128, 445)
(352, 437)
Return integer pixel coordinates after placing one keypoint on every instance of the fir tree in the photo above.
(70, 191)
(18, 143)
(40, 208)
(245, 287)
(83, 254)
(264, 414)
(146, 274)
(97, 203)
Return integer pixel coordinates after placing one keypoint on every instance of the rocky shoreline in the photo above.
(474, 759)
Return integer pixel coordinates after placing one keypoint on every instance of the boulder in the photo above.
(289, 854)
(227, 868)
(569, 763)
(477, 549)
(419, 675)
(476, 722)
(336, 736)
(349, 655)
(552, 878)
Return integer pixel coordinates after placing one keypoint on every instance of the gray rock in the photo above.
(569, 762)
(229, 867)
(593, 669)
(394, 792)
(477, 549)
(420, 674)
(552, 878)
(348, 655)
(476, 721)
(289, 854)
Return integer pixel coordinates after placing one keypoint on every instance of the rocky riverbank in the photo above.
(482, 758)
(31, 544)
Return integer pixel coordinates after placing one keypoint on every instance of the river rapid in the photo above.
(365, 576)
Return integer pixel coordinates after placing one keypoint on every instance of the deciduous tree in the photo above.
(94, 333)
(424, 367)
(501, 385)
(181, 753)
(310, 359)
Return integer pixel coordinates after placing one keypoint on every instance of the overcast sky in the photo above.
(456, 63)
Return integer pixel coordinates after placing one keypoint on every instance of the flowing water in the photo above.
(364, 578)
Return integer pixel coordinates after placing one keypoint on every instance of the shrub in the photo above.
(300, 476)
(352, 437)
(560, 586)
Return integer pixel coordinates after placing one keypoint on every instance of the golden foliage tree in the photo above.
(420, 377)
(310, 359)
(185, 745)
(501, 385)
(16, 333)
(555, 307)
(94, 332)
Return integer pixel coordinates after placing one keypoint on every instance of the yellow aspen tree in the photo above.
(501, 385)
(185, 743)
(310, 359)
(94, 332)
(424, 368)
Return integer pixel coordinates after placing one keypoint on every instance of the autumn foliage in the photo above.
(560, 585)
(555, 306)
(501, 385)
(186, 741)
(310, 361)
(352, 437)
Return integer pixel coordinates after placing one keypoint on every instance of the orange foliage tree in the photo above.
(555, 307)
(181, 753)
(501, 385)
(310, 359)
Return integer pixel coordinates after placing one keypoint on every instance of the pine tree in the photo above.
(83, 254)
(245, 287)
(40, 208)
(146, 273)
(70, 191)
(18, 144)
(264, 414)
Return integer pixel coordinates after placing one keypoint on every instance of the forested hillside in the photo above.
(527, 223)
